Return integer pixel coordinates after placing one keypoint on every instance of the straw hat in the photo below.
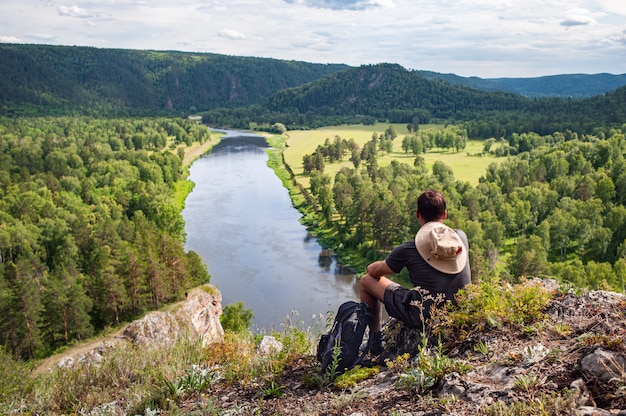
(441, 247)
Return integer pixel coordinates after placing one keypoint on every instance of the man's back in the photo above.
(423, 274)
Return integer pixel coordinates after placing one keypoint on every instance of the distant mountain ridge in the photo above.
(564, 86)
(390, 91)
(44, 79)
(90, 80)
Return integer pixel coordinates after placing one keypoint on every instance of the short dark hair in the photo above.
(431, 205)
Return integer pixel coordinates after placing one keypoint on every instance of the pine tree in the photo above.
(20, 305)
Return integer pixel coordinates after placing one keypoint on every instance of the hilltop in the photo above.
(42, 79)
(569, 362)
(557, 352)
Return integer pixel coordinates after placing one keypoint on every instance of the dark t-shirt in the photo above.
(423, 275)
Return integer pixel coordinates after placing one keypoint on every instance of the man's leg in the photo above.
(372, 292)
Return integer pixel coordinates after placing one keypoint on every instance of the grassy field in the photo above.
(468, 165)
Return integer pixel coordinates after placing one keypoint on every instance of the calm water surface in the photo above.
(240, 220)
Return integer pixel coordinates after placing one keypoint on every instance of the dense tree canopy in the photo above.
(44, 79)
(89, 234)
(244, 91)
(556, 209)
(390, 93)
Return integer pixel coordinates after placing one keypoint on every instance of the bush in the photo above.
(492, 304)
(236, 318)
(12, 377)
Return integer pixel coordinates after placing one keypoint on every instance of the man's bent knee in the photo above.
(373, 286)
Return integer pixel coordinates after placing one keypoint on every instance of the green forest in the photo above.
(556, 208)
(91, 166)
(71, 80)
(90, 232)
(391, 93)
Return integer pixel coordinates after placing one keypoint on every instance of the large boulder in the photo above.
(197, 317)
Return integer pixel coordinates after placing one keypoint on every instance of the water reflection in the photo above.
(240, 220)
(325, 259)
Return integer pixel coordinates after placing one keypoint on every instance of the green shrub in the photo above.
(546, 404)
(13, 379)
(492, 304)
(236, 318)
(355, 375)
(429, 369)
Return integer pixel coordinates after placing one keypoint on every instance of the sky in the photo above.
(484, 38)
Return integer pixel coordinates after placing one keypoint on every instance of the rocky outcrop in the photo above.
(581, 350)
(573, 362)
(198, 317)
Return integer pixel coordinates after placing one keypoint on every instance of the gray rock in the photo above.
(592, 411)
(197, 317)
(269, 345)
(603, 365)
(453, 385)
(581, 393)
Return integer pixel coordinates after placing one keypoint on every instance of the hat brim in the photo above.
(448, 266)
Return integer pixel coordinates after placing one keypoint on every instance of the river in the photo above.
(240, 220)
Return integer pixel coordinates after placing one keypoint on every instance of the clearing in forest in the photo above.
(468, 165)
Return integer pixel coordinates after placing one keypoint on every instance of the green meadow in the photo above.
(468, 165)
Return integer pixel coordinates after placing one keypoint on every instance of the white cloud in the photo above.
(43, 37)
(613, 6)
(231, 34)
(10, 39)
(74, 11)
(578, 18)
(487, 38)
(342, 4)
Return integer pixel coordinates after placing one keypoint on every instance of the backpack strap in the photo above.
(370, 338)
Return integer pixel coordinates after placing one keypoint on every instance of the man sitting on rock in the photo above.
(438, 264)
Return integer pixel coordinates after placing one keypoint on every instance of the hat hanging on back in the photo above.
(441, 247)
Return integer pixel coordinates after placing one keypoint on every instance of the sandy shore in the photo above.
(197, 150)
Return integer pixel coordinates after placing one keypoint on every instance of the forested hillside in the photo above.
(90, 235)
(240, 91)
(390, 93)
(384, 92)
(564, 86)
(45, 79)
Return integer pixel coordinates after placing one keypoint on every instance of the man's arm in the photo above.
(379, 269)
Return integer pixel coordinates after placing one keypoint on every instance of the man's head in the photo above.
(431, 206)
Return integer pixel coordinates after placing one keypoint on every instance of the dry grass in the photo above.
(232, 378)
(197, 149)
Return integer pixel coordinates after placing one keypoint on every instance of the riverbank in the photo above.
(299, 195)
(198, 149)
(303, 202)
(191, 153)
(255, 246)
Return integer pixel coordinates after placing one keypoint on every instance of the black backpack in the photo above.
(347, 332)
